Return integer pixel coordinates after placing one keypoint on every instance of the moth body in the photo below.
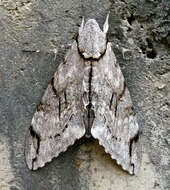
(86, 97)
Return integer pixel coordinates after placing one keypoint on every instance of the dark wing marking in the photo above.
(115, 124)
(58, 120)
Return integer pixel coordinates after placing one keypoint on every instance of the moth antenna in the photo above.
(82, 25)
(106, 24)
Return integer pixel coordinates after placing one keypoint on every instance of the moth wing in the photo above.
(115, 124)
(58, 121)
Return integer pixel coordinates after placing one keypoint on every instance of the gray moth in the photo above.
(86, 97)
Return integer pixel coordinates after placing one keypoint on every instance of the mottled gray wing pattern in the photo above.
(58, 120)
(115, 124)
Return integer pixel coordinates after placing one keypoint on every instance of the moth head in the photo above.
(92, 40)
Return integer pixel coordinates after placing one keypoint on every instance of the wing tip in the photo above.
(33, 165)
(131, 169)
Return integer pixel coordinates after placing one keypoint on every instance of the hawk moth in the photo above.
(86, 97)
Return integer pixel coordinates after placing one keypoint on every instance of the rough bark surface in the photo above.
(139, 33)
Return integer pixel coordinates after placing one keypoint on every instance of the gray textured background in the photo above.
(140, 34)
